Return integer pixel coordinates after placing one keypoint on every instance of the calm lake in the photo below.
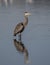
(36, 36)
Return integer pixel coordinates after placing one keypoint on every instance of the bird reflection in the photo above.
(21, 48)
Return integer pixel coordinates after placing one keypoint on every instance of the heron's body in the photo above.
(18, 29)
(21, 26)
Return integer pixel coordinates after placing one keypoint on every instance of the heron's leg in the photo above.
(20, 37)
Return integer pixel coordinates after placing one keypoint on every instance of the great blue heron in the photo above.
(20, 27)
(21, 48)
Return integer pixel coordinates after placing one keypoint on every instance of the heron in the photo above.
(21, 26)
(21, 48)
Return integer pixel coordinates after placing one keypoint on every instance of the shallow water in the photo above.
(36, 36)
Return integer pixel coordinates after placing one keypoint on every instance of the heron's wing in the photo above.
(18, 28)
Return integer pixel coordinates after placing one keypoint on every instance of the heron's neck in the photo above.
(25, 21)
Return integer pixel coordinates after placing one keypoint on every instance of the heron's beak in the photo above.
(29, 14)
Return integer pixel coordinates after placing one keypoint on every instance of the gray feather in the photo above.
(18, 28)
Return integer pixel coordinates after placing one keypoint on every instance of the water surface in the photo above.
(36, 36)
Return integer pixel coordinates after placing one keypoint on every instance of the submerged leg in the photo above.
(20, 37)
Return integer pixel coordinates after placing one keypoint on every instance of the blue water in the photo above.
(36, 36)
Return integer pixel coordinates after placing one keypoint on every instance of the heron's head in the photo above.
(27, 14)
